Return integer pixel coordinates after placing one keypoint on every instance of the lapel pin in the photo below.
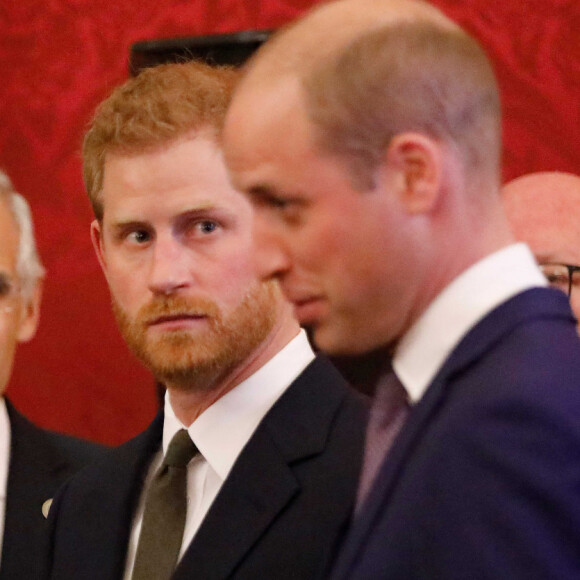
(46, 507)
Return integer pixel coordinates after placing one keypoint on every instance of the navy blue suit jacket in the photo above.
(40, 461)
(483, 481)
(277, 516)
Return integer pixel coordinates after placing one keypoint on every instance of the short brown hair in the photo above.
(161, 104)
(411, 76)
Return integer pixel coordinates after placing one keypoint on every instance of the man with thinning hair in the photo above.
(544, 212)
(33, 462)
(367, 136)
(251, 469)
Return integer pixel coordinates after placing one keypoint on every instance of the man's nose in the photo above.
(170, 267)
(272, 258)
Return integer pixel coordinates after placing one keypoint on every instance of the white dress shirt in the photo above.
(4, 464)
(220, 433)
(459, 307)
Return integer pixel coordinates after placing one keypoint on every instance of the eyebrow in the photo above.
(261, 190)
(199, 210)
(265, 194)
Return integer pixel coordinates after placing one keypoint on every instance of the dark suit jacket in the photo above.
(483, 481)
(277, 516)
(40, 461)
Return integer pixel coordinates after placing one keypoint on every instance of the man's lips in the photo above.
(308, 310)
(175, 319)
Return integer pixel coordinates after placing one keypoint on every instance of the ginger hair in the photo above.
(161, 104)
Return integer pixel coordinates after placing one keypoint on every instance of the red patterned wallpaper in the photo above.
(61, 57)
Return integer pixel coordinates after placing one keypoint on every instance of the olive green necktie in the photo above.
(164, 514)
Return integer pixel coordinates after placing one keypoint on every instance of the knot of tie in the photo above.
(181, 450)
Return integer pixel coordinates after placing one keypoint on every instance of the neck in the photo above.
(190, 401)
(457, 246)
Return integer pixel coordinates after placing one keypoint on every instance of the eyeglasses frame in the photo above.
(572, 268)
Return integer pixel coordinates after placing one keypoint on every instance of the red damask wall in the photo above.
(61, 57)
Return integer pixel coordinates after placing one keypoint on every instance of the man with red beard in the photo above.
(269, 434)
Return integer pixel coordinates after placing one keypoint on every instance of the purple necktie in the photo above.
(388, 413)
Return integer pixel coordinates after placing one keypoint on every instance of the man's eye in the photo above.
(272, 202)
(290, 211)
(206, 226)
(556, 279)
(279, 202)
(5, 286)
(139, 236)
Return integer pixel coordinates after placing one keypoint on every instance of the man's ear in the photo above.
(97, 239)
(417, 161)
(30, 314)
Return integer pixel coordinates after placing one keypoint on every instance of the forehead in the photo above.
(267, 130)
(261, 105)
(548, 220)
(8, 237)
(169, 179)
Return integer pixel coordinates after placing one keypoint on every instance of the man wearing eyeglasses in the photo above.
(544, 211)
(33, 462)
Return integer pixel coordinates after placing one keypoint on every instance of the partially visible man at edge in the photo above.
(368, 138)
(279, 433)
(544, 212)
(33, 462)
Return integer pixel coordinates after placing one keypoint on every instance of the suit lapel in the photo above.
(32, 474)
(125, 487)
(34, 466)
(244, 508)
(261, 483)
(531, 304)
(107, 512)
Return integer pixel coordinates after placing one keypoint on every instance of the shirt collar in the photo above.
(223, 429)
(473, 294)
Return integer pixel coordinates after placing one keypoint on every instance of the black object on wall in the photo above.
(218, 49)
